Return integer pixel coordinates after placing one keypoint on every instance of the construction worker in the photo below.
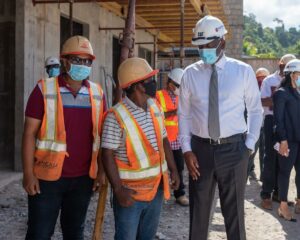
(168, 99)
(216, 139)
(269, 190)
(136, 154)
(52, 66)
(261, 74)
(61, 141)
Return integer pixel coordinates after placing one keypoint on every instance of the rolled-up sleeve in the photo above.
(279, 101)
(184, 115)
(254, 108)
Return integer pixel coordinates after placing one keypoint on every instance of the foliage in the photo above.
(267, 42)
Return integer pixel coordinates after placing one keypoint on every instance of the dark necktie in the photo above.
(213, 107)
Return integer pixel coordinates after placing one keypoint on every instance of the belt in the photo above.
(232, 139)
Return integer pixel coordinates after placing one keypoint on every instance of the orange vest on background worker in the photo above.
(146, 167)
(167, 105)
(51, 146)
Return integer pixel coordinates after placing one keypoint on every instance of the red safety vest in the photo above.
(167, 105)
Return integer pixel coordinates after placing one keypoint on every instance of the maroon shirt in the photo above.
(78, 124)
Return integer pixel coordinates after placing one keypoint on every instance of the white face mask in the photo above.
(176, 92)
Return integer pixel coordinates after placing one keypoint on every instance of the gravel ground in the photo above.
(260, 224)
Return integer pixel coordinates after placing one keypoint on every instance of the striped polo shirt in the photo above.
(113, 136)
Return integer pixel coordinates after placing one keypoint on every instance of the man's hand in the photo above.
(31, 184)
(192, 164)
(98, 182)
(124, 196)
(284, 149)
(175, 180)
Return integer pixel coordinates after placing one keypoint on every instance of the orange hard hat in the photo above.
(77, 45)
(134, 70)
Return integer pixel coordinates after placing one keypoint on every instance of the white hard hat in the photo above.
(292, 66)
(51, 61)
(176, 75)
(262, 72)
(208, 29)
(286, 58)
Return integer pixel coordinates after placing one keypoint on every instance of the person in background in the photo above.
(168, 99)
(270, 170)
(52, 66)
(61, 141)
(215, 138)
(286, 119)
(136, 154)
(261, 74)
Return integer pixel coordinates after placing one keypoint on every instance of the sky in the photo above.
(266, 10)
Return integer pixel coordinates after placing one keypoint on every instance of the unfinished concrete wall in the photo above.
(233, 10)
(7, 82)
(38, 36)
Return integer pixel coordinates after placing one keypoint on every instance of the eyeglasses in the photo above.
(80, 61)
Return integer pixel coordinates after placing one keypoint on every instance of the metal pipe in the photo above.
(127, 49)
(181, 32)
(71, 17)
(155, 52)
(62, 1)
(161, 43)
(139, 28)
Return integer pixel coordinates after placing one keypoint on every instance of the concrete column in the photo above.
(19, 86)
(233, 10)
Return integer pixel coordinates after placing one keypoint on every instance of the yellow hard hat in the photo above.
(262, 72)
(77, 45)
(286, 58)
(133, 70)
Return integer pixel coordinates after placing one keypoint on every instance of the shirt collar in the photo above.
(133, 105)
(221, 63)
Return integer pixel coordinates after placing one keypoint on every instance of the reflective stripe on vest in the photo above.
(145, 173)
(51, 99)
(134, 135)
(51, 145)
(97, 97)
(162, 101)
(157, 114)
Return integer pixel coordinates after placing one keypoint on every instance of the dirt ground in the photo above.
(174, 221)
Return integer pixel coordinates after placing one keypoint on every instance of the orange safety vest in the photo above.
(167, 105)
(146, 167)
(51, 145)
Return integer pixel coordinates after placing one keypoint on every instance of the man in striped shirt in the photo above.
(137, 154)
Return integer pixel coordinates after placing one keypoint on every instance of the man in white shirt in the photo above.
(270, 169)
(215, 138)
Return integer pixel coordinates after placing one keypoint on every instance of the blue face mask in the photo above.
(79, 72)
(209, 55)
(298, 82)
(54, 72)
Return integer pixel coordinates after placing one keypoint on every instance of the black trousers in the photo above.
(270, 169)
(178, 157)
(225, 165)
(285, 167)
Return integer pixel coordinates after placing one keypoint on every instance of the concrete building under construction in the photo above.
(32, 30)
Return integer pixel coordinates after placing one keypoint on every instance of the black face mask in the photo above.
(150, 88)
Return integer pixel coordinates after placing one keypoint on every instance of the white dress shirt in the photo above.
(238, 88)
(268, 86)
